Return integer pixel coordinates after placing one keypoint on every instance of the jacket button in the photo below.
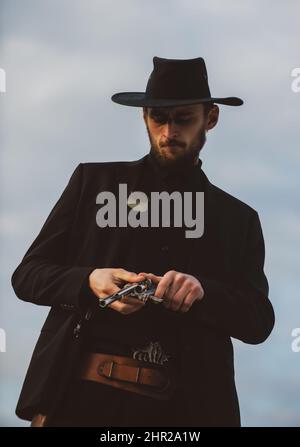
(165, 248)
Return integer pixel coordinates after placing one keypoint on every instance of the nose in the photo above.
(170, 130)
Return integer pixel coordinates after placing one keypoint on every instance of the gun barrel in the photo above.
(117, 296)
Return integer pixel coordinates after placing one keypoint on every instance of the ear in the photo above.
(213, 117)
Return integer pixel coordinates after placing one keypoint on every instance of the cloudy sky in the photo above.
(65, 58)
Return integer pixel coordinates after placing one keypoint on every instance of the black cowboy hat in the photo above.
(175, 82)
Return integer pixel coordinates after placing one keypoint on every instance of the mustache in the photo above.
(172, 143)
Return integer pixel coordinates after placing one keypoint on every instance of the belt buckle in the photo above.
(101, 366)
(137, 377)
(112, 363)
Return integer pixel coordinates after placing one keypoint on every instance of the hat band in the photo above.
(177, 89)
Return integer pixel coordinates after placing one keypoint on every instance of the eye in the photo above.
(159, 118)
(182, 120)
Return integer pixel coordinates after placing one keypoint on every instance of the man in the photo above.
(146, 363)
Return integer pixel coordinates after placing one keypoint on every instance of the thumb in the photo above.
(130, 276)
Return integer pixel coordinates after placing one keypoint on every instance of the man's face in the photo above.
(177, 134)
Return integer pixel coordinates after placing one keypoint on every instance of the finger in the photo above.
(144, 274)
(187, 302)
(151, 276)
(179, 298)
(129, 299)
(163, 285)
(125, 307)
(128, 276)
(178, 290)
(175, 287)
(170, 294)
(111, 290)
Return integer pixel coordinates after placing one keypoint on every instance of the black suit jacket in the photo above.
(228, 260)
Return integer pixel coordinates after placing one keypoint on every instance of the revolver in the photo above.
(142, 290)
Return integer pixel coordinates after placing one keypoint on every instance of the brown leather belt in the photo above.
(129, 374)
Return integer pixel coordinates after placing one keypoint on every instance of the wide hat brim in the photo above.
(139, 99)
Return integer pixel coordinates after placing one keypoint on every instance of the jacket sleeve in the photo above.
(43, 276)
(240, 307)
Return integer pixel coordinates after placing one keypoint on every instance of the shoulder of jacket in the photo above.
(232, 201)
(96, 166)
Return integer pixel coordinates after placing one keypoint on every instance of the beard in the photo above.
(183, 157)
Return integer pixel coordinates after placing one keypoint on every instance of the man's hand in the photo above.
(105, 282)
(179, 290)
